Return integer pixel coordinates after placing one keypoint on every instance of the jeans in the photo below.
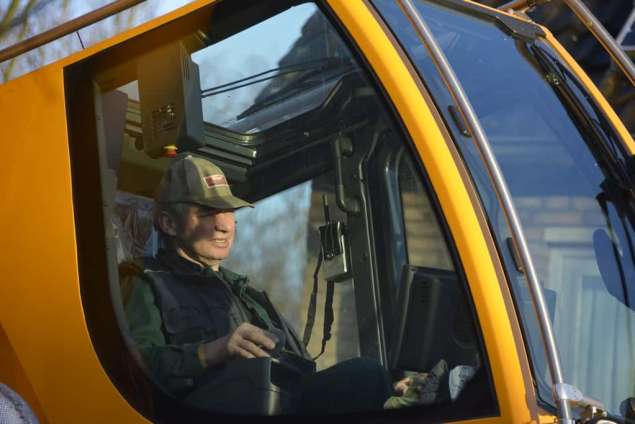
(355, 385)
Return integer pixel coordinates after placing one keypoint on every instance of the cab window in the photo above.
(566, 169)
(345, 249)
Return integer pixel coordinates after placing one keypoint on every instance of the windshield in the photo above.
(566, 172)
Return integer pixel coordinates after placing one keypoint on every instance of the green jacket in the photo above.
(167, 345)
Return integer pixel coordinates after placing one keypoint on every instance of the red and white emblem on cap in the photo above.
(217, 180)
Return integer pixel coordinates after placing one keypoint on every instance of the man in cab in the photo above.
(190, 316)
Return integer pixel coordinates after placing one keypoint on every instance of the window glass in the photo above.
(32, 19)
(286, 53)
(589, 52)
(290, 306)
(429, 320)
(565, 168)
(426, 246)
(289, 222)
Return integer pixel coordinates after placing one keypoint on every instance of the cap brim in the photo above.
(226, 202)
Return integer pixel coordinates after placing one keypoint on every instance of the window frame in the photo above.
(387, 197)
(81, 86)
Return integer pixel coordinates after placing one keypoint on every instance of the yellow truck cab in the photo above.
(438, 188)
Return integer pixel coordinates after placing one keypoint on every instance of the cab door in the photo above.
(459, 212)
(338, 113)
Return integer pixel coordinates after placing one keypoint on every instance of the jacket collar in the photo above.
(174, 262)
(177, 264)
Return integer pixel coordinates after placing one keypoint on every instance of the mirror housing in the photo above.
(170, 101)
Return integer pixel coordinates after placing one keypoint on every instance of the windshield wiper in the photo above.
(600, 120)
(327, 69)
(254, 79)
(561, 80)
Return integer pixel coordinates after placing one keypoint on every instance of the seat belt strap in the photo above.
(328, 316)
(256, 309)
(310, 318)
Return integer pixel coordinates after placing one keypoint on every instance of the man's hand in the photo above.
(402, 385)
(247, 341)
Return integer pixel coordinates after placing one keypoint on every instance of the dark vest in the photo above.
(195, 309)
(200, 306)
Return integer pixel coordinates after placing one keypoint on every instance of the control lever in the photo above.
(343, 146)
(278, 338)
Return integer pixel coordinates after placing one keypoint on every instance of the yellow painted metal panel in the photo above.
(40, 306)
(511, 379)
(12, 374)
(40, 261)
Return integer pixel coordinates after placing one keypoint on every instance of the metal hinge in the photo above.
(591, 408)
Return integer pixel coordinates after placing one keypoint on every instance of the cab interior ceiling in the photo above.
(263, 163)
(296, 150)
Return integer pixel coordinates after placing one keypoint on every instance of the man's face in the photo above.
(206, 234)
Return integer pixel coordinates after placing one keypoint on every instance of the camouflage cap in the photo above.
(193, 179)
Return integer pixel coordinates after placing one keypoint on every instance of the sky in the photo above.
(48, 14)
(255, 50)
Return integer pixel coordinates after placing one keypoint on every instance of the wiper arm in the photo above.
(557, 76)
(301, 83)
(601, 123)
(254, 79)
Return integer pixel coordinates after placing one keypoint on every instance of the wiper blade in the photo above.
(332, 67)
(254, 79)
(600, 123)
(560, 79)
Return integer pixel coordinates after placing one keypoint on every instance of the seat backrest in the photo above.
(14, 409)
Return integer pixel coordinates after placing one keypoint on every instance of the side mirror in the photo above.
(170, 101)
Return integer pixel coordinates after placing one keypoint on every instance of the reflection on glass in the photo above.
(565, 171)
(266, 65)
(556, 180)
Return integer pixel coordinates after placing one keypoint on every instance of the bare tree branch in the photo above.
(8, 16)
(6, 72)
(24, 15)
